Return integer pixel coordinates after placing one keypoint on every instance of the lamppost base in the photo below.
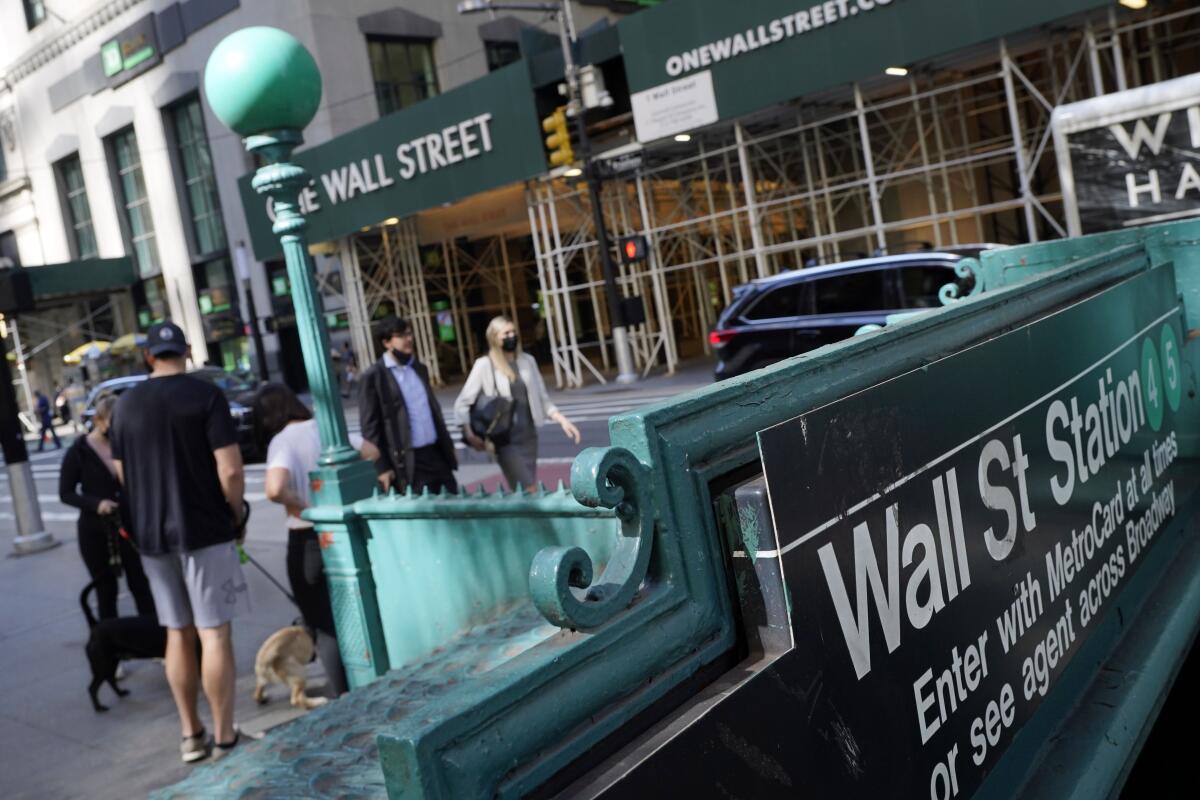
(34, 543)
(626, 378)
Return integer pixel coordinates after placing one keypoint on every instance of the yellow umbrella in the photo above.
(129, 343)
(87, 350)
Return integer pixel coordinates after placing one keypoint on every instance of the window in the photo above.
(75, 203)
(403, 72)
(501, 54)
(921, 284)
(35, 13)
(194, 162)
(778, 303)
(131, 196)
(850, 293)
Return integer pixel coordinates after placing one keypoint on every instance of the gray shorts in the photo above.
(203, 587)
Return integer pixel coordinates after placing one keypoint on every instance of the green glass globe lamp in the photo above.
(262, 79)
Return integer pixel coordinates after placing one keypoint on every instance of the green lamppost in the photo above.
(265, 85)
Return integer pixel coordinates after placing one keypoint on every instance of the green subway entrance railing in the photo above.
(763, 585)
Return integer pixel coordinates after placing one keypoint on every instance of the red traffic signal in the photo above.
(633, 249)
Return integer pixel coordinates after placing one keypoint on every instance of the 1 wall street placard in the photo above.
(952, 536)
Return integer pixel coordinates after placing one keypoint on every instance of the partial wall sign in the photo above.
(1130, 158)
(951, 537)
(131, 52)
(477, 137)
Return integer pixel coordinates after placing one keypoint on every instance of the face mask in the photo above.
(509, 344)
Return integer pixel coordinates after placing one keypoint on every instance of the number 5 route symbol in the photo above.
(1172, 375)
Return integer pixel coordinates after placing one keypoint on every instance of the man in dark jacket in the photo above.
(401, 416)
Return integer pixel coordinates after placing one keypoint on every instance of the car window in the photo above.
(227, 382)
(782, 301)
(921, 283)
(853, 292)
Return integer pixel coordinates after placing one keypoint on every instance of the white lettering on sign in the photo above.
(772, 32)
(1083, 443)
(1148, 138)
(451, 145)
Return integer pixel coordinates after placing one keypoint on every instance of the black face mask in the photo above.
(509, 344)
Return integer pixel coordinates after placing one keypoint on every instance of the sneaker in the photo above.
(221, 750)
(196, 747)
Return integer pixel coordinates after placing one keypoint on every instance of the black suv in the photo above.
(238, 390)
(791, 313)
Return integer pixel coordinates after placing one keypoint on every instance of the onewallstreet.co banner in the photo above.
(788, 26)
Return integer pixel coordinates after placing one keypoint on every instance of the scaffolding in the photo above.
(955, 153)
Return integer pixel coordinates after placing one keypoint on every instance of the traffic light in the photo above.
(633, 249)
(558, 140)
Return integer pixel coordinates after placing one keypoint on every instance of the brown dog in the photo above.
(282, 659)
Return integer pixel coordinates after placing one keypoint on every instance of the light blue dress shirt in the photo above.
(416, 400)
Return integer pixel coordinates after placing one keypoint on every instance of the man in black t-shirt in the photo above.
(175, 449)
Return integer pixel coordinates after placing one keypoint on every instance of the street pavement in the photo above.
(52, 745)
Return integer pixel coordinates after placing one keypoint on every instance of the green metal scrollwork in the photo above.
(560, 578)
(966, 268)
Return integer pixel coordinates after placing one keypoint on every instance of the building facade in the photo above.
(740, 139)
(108, 149)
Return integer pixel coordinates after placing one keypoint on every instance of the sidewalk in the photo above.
(52, 744)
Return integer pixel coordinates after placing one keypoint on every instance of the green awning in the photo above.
(54, 284)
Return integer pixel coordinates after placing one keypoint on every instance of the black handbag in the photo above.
(491, 416)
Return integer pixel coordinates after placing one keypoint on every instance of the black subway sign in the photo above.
(951, 537)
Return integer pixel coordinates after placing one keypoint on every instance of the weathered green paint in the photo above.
(871, 37)
(444, 562)
(503, 148)
(248, 102)
(331, 751)
(561, 578)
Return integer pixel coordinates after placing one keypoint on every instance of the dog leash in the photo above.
(243, 556)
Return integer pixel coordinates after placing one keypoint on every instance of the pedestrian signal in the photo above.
(633, 249)
(558, 140)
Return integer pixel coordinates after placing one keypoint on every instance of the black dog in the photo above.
(112, 641)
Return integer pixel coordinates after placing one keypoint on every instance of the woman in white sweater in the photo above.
(508, 372)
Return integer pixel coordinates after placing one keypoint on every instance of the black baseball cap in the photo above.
(164, 338)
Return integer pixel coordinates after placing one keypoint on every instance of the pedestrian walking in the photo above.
(46, 417)
(400, 416)
(292, 452)
(88, 481)
(176, 452)
(62, 405)
(505, 371)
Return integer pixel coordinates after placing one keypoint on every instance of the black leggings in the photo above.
(94, 547)
(306, 574)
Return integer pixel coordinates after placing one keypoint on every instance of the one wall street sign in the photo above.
(477, 137)
(691, 63)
